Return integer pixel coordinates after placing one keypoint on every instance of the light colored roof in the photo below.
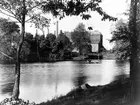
(96, 32)
(95, 37)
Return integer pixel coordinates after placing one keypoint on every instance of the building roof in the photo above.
(96, 37)
(96, 32)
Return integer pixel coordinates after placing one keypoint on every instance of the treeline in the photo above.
(121, 37)
(48, 48)
(38, 48)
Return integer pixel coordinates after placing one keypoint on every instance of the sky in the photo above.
(112, 7)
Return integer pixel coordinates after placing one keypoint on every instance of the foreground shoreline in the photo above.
(105, 56)
(115, 93)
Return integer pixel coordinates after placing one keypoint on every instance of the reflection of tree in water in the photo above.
(7, 79)
(80, 76)
(123, 66)
(79, 80)
(120, 63)
(121, 77)
(7, 88)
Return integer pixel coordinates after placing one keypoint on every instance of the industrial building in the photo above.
(96, 41)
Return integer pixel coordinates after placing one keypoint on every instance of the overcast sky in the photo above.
(112, 7)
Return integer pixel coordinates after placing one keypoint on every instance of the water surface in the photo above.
(44, 81)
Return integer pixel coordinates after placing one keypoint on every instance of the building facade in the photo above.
(96, 41)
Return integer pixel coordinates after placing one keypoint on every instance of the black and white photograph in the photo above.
(69, 52)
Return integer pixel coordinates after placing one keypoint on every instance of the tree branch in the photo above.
(11, 14)
(6, 55)
(28, 19)
(7, 14)
(31, 8)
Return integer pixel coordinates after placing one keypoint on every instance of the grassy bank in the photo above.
(115, 93)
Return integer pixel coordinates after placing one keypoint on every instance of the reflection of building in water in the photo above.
(56, 82)
(96, 41)
(80, 76)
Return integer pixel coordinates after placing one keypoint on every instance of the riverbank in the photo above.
(115, 93)
(103, 56)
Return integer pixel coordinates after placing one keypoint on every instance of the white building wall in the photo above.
(95, 47)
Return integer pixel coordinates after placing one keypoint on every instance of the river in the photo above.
(43, 81)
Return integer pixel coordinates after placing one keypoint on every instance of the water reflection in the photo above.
(80, 75)
(44, 81)
(6, 79)
(7, 88)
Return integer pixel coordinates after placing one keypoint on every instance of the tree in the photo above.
(121, 37)
(32, 56)
(40, 22)
(51, 38)
(19, 10)
(81, 38)
(62, 47)
(75, 7)
(23, 9)
(128, 35)
(135, 50)
(9, 35)
(10, 39)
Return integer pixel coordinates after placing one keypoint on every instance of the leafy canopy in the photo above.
(121, 37)
(80, 38)
(18, 8)
(75, 7)
(9, 38)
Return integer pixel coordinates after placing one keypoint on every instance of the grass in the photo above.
(115, 93)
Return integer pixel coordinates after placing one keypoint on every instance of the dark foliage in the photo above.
(121, 37)
(81, 39)
(75, 7)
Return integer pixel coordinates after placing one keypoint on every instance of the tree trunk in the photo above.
(135, 77)
(16, 90)
(134, 58)
(15, 94)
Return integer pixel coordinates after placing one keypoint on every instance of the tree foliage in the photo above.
(9, 34)
(24, 10)
(62, 47)
(121, 37)
(9, 40)
(21, 11)
(81, 38)
(40, 22)
(51, 38)
(75, 7)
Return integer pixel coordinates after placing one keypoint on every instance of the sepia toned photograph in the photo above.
(69, 52)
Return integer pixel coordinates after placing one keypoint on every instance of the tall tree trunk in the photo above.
(15, 94)
(134, 58)
(16, 90)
